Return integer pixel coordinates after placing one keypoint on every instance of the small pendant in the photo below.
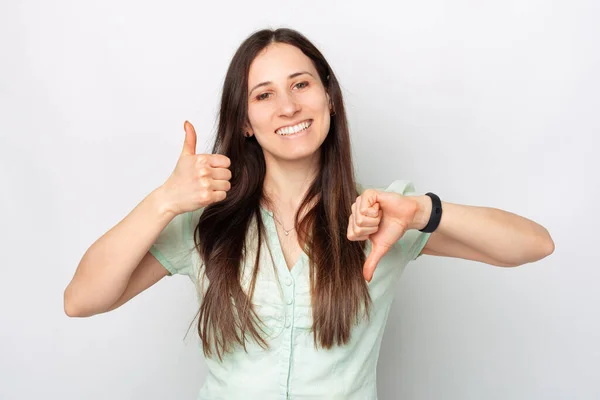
(286, 233)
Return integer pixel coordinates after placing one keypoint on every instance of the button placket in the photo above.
(288, 286)
(289, 294)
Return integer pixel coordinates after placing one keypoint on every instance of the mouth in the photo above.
(294, 130)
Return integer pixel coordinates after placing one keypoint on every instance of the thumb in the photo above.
(377, 252)
(189, 146)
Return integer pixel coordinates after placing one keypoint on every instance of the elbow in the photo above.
(69, 306)
(544, 248)
(76, 308)
(537, 252)
(549, 246)
(70, 312)
(72, 307)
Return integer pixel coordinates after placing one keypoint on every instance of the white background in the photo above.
(484, 103)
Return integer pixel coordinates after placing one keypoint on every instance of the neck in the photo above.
(286, 182)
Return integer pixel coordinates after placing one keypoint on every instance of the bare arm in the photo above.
(484, 234)
(118, 265)
(104, 272)
(147, 273)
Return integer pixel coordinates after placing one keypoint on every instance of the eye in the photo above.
(262, 96)
(265, 96)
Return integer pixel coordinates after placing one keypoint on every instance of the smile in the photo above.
(291, 130)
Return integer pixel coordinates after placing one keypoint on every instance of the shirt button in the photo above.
(290, 301)
(288, 281)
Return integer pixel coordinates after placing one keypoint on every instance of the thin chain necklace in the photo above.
(287, 231)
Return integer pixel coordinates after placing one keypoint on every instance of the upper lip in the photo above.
(293, 124)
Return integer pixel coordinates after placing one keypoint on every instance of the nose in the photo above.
(288, 105)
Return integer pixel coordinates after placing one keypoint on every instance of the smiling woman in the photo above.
(291, 166)
(295, 263)
(293, 105)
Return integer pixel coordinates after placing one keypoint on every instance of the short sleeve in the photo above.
(413, 240)
(174, 246)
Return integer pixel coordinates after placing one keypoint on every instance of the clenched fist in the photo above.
(383, 218)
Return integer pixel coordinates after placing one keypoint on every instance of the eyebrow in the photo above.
(295, 74)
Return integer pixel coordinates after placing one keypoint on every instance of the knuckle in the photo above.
(349, 234)
(204, 182)
(204, 196)
(204, 171)
(202, 159)
(369, 192)
(359, 219)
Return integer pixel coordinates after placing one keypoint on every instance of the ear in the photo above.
(248, 131)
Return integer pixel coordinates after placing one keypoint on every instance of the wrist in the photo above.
(161, 203)
(423, 214)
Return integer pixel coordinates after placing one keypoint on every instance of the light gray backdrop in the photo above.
(484, 103)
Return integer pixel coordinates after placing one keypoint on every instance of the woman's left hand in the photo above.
(383, 218)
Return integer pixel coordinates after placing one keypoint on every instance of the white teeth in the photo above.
(290, 130)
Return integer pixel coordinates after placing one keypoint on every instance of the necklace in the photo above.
(287, 231)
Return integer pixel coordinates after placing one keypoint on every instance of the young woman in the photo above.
(294, 262)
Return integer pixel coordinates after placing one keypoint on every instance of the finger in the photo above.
(365, 232)
(374, 211)
(221, 174)
(356, 210)
(221, 185)
(350, 232)
(219, 161)
(219, 195)
(361, 220)
(377, 252)
(369, 207)
(189, 145)
(356, 233)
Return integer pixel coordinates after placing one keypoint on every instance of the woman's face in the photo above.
(288, 106)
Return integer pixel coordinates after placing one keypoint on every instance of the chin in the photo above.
(300, 155)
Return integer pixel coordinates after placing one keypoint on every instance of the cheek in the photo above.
(326, 124)
(258, 117)
(320, 102)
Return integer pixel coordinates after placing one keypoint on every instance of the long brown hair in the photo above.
(338, 290)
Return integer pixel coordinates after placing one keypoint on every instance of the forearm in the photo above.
(501, 235)
(106, 267)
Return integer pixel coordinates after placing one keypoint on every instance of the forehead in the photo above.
(276, 62)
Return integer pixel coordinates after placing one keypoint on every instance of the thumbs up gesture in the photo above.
(383, 218)
(198, 179)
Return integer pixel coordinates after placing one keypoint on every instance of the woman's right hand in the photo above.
(198, 179)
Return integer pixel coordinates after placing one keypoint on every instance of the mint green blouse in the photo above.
(291, 368)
